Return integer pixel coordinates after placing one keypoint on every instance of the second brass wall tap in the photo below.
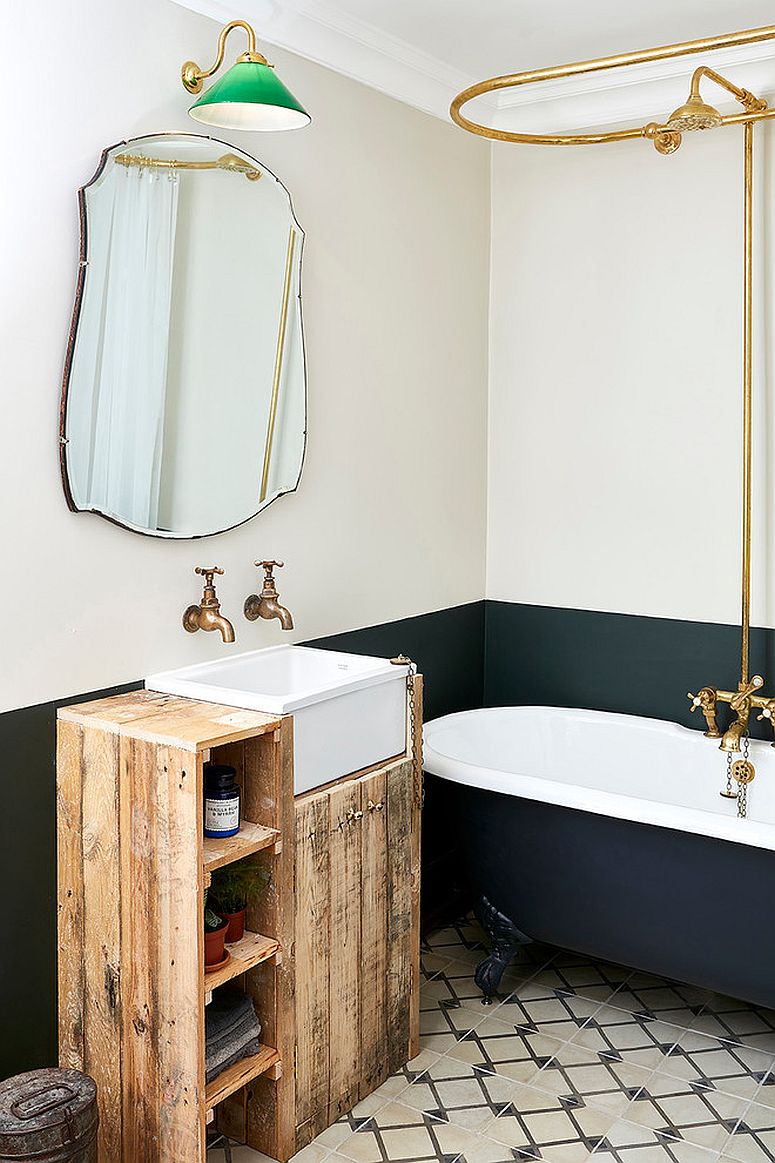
(267, 603)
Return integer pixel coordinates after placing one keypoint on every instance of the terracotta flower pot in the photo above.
(236, 929)
(214, 943)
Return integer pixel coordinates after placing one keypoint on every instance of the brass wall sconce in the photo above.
(249, 95)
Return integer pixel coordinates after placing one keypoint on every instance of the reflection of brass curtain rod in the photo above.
(229, 162)
(278, 365)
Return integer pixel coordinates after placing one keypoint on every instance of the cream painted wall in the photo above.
(395, 206)
(614, 427)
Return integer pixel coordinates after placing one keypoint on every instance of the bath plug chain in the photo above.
(415, 744)
(728, 793)
(744, 772)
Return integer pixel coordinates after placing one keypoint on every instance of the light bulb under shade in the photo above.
(250, 96)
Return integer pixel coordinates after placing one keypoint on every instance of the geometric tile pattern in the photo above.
(579, 1060)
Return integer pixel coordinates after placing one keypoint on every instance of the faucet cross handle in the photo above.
(268, 566)
(208, 574)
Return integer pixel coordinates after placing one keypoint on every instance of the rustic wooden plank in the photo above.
(139, 931)
(344, 997)
(313, 1017)
(243, 955)
(400, 807)
(415, 857)
(70, 896)
(251, 838)
(102, 945)
(239, 1075)
(186, 724)
(374, 866)
(179, 960)
(268, 794)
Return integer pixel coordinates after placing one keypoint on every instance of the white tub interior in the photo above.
(618, 765)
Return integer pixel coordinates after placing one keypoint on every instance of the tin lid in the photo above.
(44, 1109)
(219, 776)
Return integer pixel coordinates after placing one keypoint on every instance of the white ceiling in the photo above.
(424, 51)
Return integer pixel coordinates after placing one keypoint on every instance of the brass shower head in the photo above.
(694, 114)
(697, 114)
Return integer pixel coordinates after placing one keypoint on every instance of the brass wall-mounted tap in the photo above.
(207, 615)
(267, 603)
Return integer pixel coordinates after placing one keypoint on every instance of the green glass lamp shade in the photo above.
(250, 96)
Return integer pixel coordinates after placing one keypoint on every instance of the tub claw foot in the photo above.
(506, 938)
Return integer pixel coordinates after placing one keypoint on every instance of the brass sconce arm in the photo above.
(192, 76)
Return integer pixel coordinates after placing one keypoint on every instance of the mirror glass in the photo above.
(184, 401)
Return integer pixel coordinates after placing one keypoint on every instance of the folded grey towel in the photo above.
(251, 1048)
(232, 1031)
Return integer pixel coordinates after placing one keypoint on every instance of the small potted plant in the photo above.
(234, 887)
(215, 936)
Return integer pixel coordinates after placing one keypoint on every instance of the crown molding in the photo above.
(319, 31)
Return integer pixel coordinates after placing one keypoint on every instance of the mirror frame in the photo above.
(83, 262)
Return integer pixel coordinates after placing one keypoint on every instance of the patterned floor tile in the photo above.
(400, 1134)
(501, 1048)
(738, 1022)
(726, 1067)
(577, 1060)
(605, 1081)
(465, 1095)
(540, 1125)
(687, 1111)
(754, 1136)
(644, 1040)
(629, 1143)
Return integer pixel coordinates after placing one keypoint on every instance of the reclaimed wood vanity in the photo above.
(330, 955)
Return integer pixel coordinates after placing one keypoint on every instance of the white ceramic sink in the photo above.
(349, 709)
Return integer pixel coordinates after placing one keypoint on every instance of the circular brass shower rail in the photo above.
(653, 130)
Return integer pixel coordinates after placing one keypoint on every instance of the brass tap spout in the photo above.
(267, 603)
(207, 615)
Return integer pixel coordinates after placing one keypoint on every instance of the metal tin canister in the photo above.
(48, 1116)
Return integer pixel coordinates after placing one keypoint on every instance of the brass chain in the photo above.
(742, 795)
(415, 744)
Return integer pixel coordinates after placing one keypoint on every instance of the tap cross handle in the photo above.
(268, 566)
(208, 574)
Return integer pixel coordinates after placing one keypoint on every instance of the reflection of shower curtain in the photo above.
(120, 363)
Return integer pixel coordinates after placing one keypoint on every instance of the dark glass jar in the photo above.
(222, 801)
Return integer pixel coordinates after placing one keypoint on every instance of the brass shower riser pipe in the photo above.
(747, 399)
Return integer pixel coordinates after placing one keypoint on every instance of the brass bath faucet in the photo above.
(207, 615)
(742, 702)
(267, 603)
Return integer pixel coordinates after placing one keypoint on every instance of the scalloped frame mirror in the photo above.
(184, 398)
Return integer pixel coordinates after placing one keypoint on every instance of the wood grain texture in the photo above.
(313, 864)
(70, 896)
(374, 932)
(400, 808)
(344, 996)
(102, 932)
(185, 724)
(268, 797)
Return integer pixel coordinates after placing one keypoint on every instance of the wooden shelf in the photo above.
(245, 954)
(240, 1074)
(250, 838)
